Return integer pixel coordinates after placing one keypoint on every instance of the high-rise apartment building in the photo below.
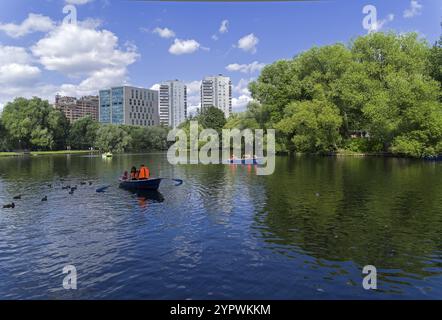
(75, 109)
(173, 103)
(217, 91)
(129, 105)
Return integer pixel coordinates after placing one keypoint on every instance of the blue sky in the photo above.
(143, 43)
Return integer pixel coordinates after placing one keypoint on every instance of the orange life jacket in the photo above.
(144, 173)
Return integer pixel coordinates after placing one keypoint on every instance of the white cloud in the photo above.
(184, 46)
(15, 67)
(75, 50)
(10, 54)
(193, 96)
(193, 87)
(248, 43)
(414, 9)
(240, 103)
(246, 68)
(17, 73)
(33, 23)
(78, 2)
(242, 87)
(224, 26)
(214, 37)
(164, 32)
(156, 87)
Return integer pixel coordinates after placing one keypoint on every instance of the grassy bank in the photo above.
(41, 153)
(9, 154)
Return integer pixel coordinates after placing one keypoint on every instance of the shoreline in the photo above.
(42, 153)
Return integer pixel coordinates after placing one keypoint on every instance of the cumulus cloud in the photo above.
(240, 103)
(246, 68)
(15, 66)
(184, 46)
(156, 87)
(82, 52)
(414, 9)
(33, 23)
(224, 26)
(248, 43)
(193, 87)
(75, 50)
(164, 32)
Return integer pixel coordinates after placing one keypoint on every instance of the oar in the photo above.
(103, 189)
(178, 181)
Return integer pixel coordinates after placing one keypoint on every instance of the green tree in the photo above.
(35, 124)
(147, 138)
(112, 138)
(380, 84)
(83, 133)
(435, 61)
(212, 118)
(312, 126)
(5, 141)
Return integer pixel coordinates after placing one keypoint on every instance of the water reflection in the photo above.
(303, 232)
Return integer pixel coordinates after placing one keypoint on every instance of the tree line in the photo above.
(33, 124)
(380, 93)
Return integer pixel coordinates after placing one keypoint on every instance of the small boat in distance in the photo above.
(107, 155)
(253, 160)
(146, 184)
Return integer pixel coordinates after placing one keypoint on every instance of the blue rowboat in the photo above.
(434, 158)
(148, 184)
(245, 161)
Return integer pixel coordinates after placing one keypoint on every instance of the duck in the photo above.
(82, 183)
(66, 187)
(50, 185)
(17, 197)
(45, 198)
(9, 206)
(71, 192)
(74, 188)
(90, 183)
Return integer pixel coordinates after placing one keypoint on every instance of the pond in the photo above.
(304, 232)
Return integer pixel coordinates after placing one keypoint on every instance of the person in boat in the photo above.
(133, 173)
(144, 173)
(125, 175)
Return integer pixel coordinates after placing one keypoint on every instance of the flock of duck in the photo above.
(45, 198)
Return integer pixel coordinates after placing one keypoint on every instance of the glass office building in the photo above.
(129, 105)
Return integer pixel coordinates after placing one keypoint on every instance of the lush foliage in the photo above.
(83, 133)
(112, 138)
(380, 84)
(33, 124)
(212, 118)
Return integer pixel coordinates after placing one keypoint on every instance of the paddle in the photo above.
(102, 189)
(178, 181)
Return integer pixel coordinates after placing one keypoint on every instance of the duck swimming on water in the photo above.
(9, 206)
(17, 197)
(45, 198)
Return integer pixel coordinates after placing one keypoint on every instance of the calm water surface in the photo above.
(304, 232)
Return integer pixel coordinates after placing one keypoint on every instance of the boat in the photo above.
(107, 155)
(245, 161)
(148, 184)
(434, 158)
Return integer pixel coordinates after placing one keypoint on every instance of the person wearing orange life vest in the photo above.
(143, 173)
